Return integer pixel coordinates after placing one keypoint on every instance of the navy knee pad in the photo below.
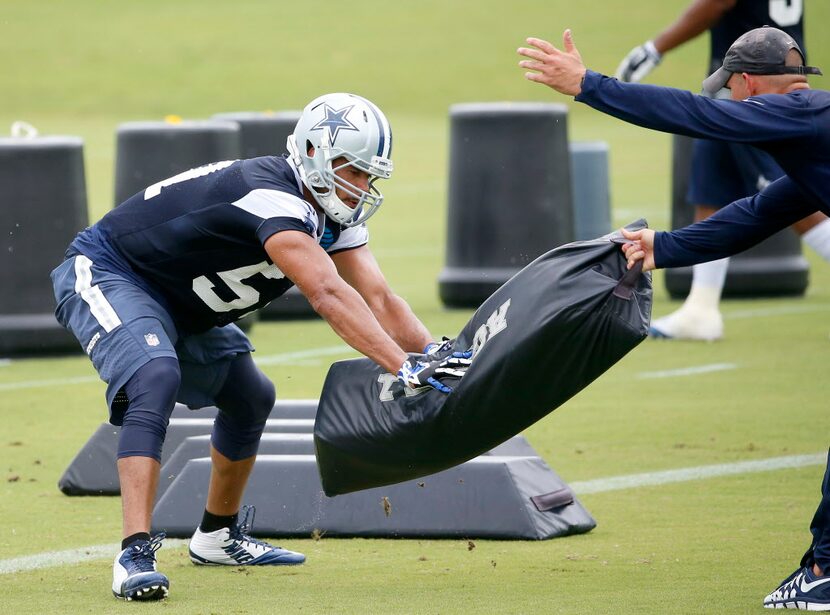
(151, 394)
(245, 402)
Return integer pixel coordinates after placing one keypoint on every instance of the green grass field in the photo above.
(713, 546)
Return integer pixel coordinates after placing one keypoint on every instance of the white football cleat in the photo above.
(689, 323)
(234, 547)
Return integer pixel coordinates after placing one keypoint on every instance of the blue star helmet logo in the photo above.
(335, 120)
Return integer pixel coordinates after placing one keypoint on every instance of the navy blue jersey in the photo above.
(195, 241)
(794, 128)
(746, 15)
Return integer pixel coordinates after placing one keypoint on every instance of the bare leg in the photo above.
(139, 478)
(227, 483)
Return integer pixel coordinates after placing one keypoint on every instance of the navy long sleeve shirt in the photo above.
(794, 128)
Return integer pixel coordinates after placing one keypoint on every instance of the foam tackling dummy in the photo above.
(538, 340)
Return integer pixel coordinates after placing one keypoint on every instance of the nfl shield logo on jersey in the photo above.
(152, 339)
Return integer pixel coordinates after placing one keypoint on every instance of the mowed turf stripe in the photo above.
(688, 371)
(54, 559)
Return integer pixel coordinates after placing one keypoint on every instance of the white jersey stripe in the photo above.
(265, 204)
(100, 308)
(350, 238)
(83, 273)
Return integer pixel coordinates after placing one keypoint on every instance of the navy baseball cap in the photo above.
(762, 51)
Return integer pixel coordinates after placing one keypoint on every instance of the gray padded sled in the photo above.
(93, 471)
(196, 447)
(487, 497)
(283, 409)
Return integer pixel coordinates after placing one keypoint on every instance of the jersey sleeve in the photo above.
(757, 119)
(278, 211)
(352, 237)
(735, 228)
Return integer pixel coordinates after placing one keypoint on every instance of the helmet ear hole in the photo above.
(309, 148)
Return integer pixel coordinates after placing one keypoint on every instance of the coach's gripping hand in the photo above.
(561, 70)
(639, 247)
(639, 62)
(415, 374)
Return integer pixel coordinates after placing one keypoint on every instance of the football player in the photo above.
(151, 292)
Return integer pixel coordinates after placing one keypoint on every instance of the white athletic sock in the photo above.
(707, 283)
(818, 238)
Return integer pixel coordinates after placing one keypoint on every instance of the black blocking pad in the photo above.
(486, 497)
(538, 340)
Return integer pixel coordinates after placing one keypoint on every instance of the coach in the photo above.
(772, 108)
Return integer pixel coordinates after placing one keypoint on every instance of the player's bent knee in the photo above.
(151, 394)
(245, 402)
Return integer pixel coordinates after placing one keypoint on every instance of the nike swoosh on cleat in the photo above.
(809, 585)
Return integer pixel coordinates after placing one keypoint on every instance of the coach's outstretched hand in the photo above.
(639, 247)
(561, 70)
(416, 374)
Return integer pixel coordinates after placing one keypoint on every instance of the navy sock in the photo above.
(134, 538)
(211, 522)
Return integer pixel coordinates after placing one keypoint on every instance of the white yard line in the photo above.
(307, 356)
(689, 371)
(52, 382)
(300, 357)
(648, 479)
(312, 353)
(600, 485)
(53, 559)
(783, 310)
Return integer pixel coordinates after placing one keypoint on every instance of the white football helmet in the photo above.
(342, 125)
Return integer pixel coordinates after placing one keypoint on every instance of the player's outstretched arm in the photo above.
(361, 271)
(562, 71)
(698, 17)
(639, 247)
(302, 260)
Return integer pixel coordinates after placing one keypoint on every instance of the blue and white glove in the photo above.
(639, 62)
(415, 374)
(438, 347)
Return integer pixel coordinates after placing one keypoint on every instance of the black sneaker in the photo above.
(134, 574)
(802, 590)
